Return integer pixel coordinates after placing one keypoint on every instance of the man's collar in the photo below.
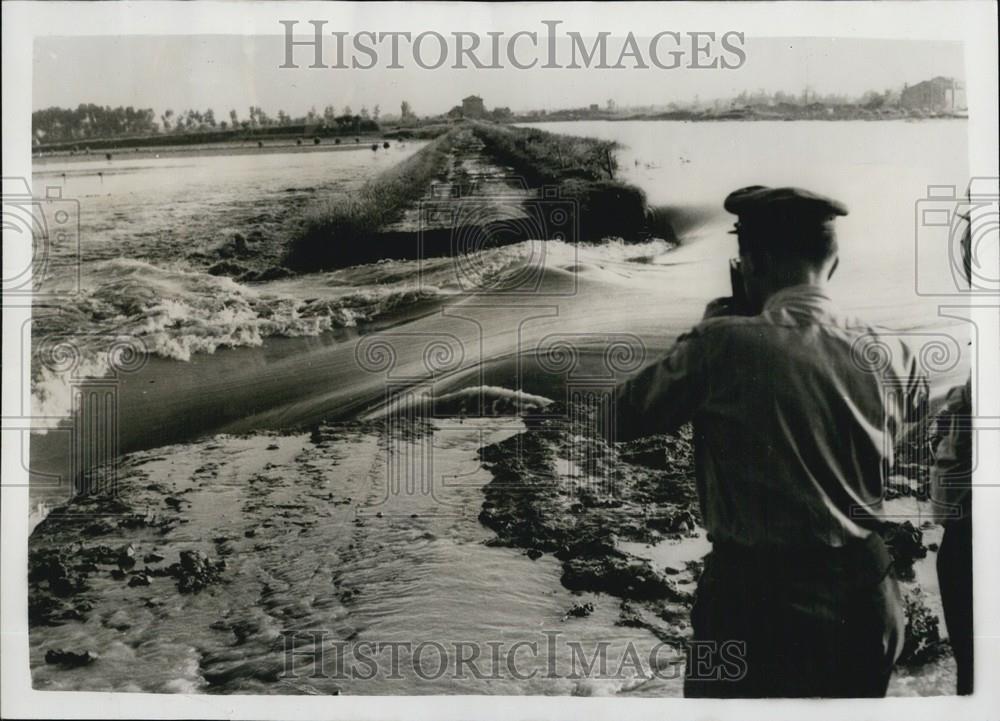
(798, 296)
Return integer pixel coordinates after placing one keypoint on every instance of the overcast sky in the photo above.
(223, 72)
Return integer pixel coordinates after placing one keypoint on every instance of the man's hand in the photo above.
(719, 307)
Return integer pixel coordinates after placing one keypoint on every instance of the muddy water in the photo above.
(351, 568)
(166, 209)
(322, 546)
(327, 554)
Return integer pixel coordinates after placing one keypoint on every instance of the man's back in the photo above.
(795, 414)
(798, 422)
(796, 411)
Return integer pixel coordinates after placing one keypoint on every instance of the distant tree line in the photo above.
(871, 98)
(91, 122)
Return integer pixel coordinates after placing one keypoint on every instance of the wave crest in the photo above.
(134, 309)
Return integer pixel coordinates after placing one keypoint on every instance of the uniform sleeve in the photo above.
(664, 395)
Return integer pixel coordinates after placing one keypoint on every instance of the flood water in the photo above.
(155, 260)
(151, 253)
(894, 271)
(166, 209)
(150, 227)
(321, 554)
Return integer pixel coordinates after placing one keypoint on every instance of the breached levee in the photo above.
(292, 382)
(617, 525)
(480, 185)
(580, 173)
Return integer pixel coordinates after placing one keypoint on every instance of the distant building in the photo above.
(472, 107)
(936, 94)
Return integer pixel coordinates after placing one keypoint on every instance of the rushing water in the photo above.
(401, 578)
(151, 229)
(172, 210)
(155, 231)
(153, 251)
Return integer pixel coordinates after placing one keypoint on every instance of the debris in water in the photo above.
(580, 610)
(69, 659)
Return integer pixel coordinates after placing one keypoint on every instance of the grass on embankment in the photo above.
(419, 132)
(580, 169)
(337, 232)
(544, 158)
(358, 228)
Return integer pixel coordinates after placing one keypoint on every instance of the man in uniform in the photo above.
(795, 409)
